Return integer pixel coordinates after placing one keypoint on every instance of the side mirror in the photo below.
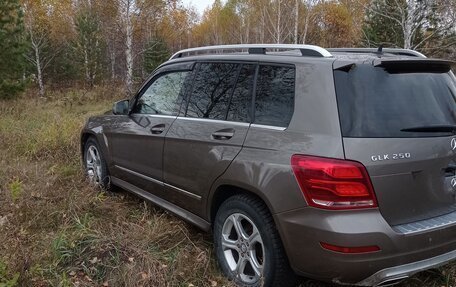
(120, 107)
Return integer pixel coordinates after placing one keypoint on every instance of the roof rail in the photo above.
(401, 52)
(306, 50)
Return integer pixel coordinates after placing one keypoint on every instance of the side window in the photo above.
(163, 96)
(274, 100)
(212, 90)
(241, 101)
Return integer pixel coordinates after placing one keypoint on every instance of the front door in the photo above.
(136, 141)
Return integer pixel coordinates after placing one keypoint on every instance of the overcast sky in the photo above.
(199, 4)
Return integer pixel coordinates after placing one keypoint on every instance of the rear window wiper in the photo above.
(432, 129)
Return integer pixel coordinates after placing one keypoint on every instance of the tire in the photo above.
(95, 165)
(262, 252)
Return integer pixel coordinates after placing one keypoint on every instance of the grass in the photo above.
(56, 230)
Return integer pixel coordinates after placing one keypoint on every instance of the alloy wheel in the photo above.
(243, 248)
(93, 165)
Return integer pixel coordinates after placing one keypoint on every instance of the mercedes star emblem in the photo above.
(453, 182)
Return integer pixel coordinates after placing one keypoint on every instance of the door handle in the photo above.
(224, 134)
(157, 129)
(450, 170)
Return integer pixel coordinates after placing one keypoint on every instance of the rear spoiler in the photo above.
(414, 65)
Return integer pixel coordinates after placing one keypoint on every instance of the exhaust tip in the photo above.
(392, 281)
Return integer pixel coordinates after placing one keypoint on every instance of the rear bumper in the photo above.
(392, 274)
(401, 255)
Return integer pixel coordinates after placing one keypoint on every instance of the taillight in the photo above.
(333, 183)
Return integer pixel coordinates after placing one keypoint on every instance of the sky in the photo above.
(199, 4)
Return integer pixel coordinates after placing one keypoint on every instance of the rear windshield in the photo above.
(375, 103)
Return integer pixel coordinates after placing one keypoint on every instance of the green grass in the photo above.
(7, 279)
(15, 188)
(56, 230)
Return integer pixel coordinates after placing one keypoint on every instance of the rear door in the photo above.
(136, 140)
(209, 133)
(397, 121)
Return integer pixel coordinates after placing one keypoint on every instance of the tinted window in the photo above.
(163, 96)
(274, 100)
(241, 101)
(212, 90)
(375, 103)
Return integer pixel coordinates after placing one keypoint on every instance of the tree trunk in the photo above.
(408, 20)
(278, 26)
(113, 64)
(128, 50)
(306, 25)
(39, 70)
(296, 23)
(216, 30)
(247, 40)
(263, 25)
(94, 68)
(189, 42)
(86, 64)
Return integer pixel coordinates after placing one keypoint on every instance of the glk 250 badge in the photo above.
(394, 156)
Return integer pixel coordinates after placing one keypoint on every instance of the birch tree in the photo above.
(296, 21)
(279, 17)
(235, 19)
(244, 10)
(38, 34)
(89, 41)
(412, 18)
(108, 11)
(127, 11)
(131, 16)
(309, 10)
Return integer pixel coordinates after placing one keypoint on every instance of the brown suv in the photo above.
(334, 164)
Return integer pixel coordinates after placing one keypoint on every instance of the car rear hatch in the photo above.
(398, 118)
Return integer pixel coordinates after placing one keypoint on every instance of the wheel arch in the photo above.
(225, 190)
(85, 135)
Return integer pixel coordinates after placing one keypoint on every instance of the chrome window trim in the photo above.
(155, 116)
(268, 127)
(242, 124)
(195, 196)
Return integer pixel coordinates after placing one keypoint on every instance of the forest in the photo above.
(48, 43)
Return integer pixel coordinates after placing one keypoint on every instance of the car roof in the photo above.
(293, 54)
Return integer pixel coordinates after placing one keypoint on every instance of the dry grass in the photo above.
(55, 230)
